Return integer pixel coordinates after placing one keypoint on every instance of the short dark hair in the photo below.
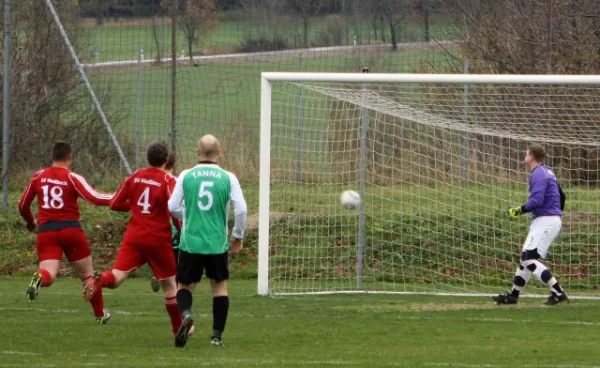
(538, 152)
(157, 154)
(60, 151)
(171, 160)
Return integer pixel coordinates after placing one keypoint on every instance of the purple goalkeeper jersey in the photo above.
(544, 196)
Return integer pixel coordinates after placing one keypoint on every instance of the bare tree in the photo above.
(157, 37)
(515, 36)
(48, 102)
(394, 12)
(306, 9)
(197, 17)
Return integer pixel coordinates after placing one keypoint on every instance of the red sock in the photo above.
(46, 278)
(171, 306)
(97, 300)
(107, 279)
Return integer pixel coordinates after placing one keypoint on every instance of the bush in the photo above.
(263, 43)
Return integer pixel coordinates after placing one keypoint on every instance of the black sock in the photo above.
(184, 300)
(515, 293)
(220, 311)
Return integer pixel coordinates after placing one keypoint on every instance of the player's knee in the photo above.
(218, 288)
(546, 276)
(530, 264)
(169, 287)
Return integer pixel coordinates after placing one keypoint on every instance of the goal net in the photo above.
(437, 160)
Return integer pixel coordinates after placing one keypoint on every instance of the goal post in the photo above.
(437, 169)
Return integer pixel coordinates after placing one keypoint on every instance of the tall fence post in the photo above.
(6, 102)
(88, 85)
(299, 128)
(174, 76)
(138, 110)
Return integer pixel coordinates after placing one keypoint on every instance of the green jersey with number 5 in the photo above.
(201, 200)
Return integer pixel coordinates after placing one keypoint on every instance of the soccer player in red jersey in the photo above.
(169, 167)
(148, 237)
(58, 228)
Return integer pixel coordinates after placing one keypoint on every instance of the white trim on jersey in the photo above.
(87, 187)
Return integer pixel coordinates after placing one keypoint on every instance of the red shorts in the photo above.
(50, 245)
(160, 259)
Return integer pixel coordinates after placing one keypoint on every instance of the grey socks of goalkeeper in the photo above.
(540, 272)
(220, 312)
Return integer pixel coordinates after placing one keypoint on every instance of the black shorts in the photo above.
(191, 266)
(176, 254)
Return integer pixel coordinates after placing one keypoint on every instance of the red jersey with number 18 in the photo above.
(57, 190)
(146, 193)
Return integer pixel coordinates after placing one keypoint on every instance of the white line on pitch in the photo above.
(72, 311)
(13, 352)
(502, 320)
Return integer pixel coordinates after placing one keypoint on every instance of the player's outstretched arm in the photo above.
(87, 192)
(176, 200)
(25, 202)
(120, 201)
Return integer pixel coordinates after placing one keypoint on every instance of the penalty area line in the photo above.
(504, 320)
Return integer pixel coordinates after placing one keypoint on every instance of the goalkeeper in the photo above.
(546, 202)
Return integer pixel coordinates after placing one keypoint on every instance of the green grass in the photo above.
(417, 238)
(326, 331)
(121, 43)
(223, 98)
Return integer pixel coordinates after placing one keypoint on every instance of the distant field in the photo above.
(223, 98)
(121, 42)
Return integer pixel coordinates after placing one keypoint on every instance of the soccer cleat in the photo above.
(104, 319)
(155, 285)
(183, 334)
(216, 341)
(89, 289)
(554, 299)
(34, 287)
(507, 298)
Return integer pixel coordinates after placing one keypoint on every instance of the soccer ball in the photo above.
(350, 199)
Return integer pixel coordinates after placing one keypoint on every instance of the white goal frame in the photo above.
(267, 78)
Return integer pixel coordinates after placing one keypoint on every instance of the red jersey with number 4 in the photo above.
(57, 190)
(146, 194)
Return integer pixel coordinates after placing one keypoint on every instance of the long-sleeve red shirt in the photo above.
(57, 190)
(146, 194)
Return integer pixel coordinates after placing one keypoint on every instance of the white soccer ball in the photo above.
(350, 199)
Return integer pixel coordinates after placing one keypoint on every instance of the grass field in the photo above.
(121, 42)
(326, 331)
(417, 238)
(223, 98)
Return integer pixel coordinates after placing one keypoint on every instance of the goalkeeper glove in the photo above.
(515, 212)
